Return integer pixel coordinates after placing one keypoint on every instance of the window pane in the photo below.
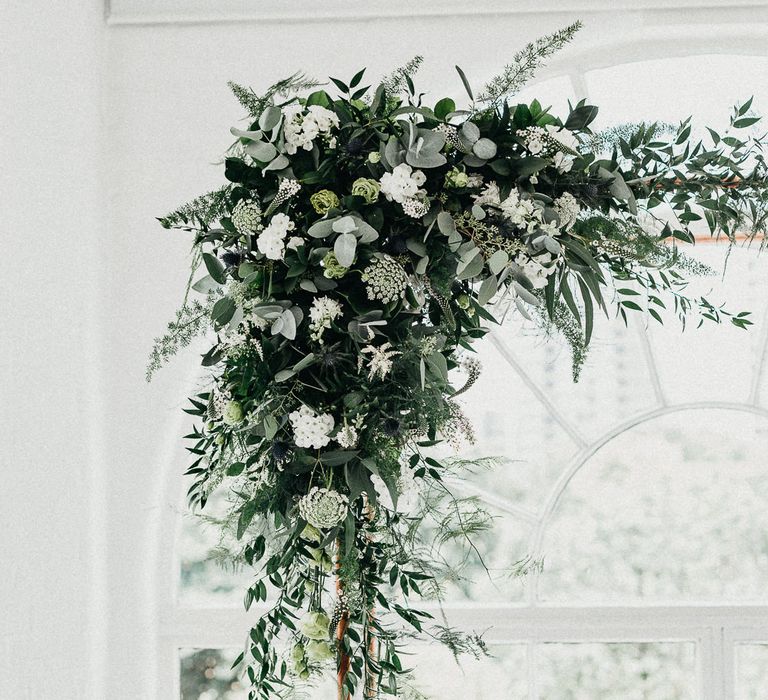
(205, 580)
(503, 674)
(751, 671)
(206, 674)
(673, 509)
(637, 671)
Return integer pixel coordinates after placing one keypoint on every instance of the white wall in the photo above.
(50, 68)
(104, 128)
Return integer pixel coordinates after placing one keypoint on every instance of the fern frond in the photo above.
(397, 81)
(255, 104)
(525, 63)
(200, 213)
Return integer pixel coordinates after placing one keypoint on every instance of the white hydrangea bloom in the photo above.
(271, 241)
(311, 429)
(322, 313)
(402, 183)
(303, 127)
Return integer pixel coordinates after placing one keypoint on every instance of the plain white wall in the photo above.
(105, 128)
(51, 58)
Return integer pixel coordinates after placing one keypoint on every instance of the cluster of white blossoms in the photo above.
(323, 508)
(551, 141)
(385, 279)
(246, 216)
(347, 437)
(302, 128)
(323, 312)
(271, 241)
(523, 213)
(380, 360)
(568, 209)
(403, 185)
(537, 269)
(311, 429)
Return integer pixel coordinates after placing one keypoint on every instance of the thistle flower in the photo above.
(246, 216)
(323, 509)
(385, 279)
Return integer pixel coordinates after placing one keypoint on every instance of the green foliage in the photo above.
(361, 247)
(255, 104)
(525, 63)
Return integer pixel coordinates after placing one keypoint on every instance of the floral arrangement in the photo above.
(362, 244)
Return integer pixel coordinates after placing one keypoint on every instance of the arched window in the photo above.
(640, 494)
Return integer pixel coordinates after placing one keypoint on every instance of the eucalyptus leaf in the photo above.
(498, 261)
(344, 248)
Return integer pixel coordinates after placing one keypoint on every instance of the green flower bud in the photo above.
(233, 413)
(315, 625)
(366, 188)
(333, 271)
(320, 651)
(374, 157)
(463, 301)
(323, 201)
(311, 533)
(456, 178)
(219, 439)
(297, 653)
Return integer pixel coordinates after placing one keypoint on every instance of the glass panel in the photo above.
(203, 580)
(511, 423)
(672, 509)
(636, 671)
(206, 674)
(726, 357)
(503, 674)
(751, 671)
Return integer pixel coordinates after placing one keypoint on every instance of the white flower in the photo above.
(535, 146)
(415, 208)
(322, 313)
(567, 208)
(294, 242)
(323, 508)
(347, 437)
(380, 360)
(474, 181)
(246, 216)
(489, 195)
(302, 128)
(271, 241)
(563, 162)
(385, 279)
(402, 183)
(536, 269)
(311, 429)
(563, 136)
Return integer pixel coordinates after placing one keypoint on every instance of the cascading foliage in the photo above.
(365, 239)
